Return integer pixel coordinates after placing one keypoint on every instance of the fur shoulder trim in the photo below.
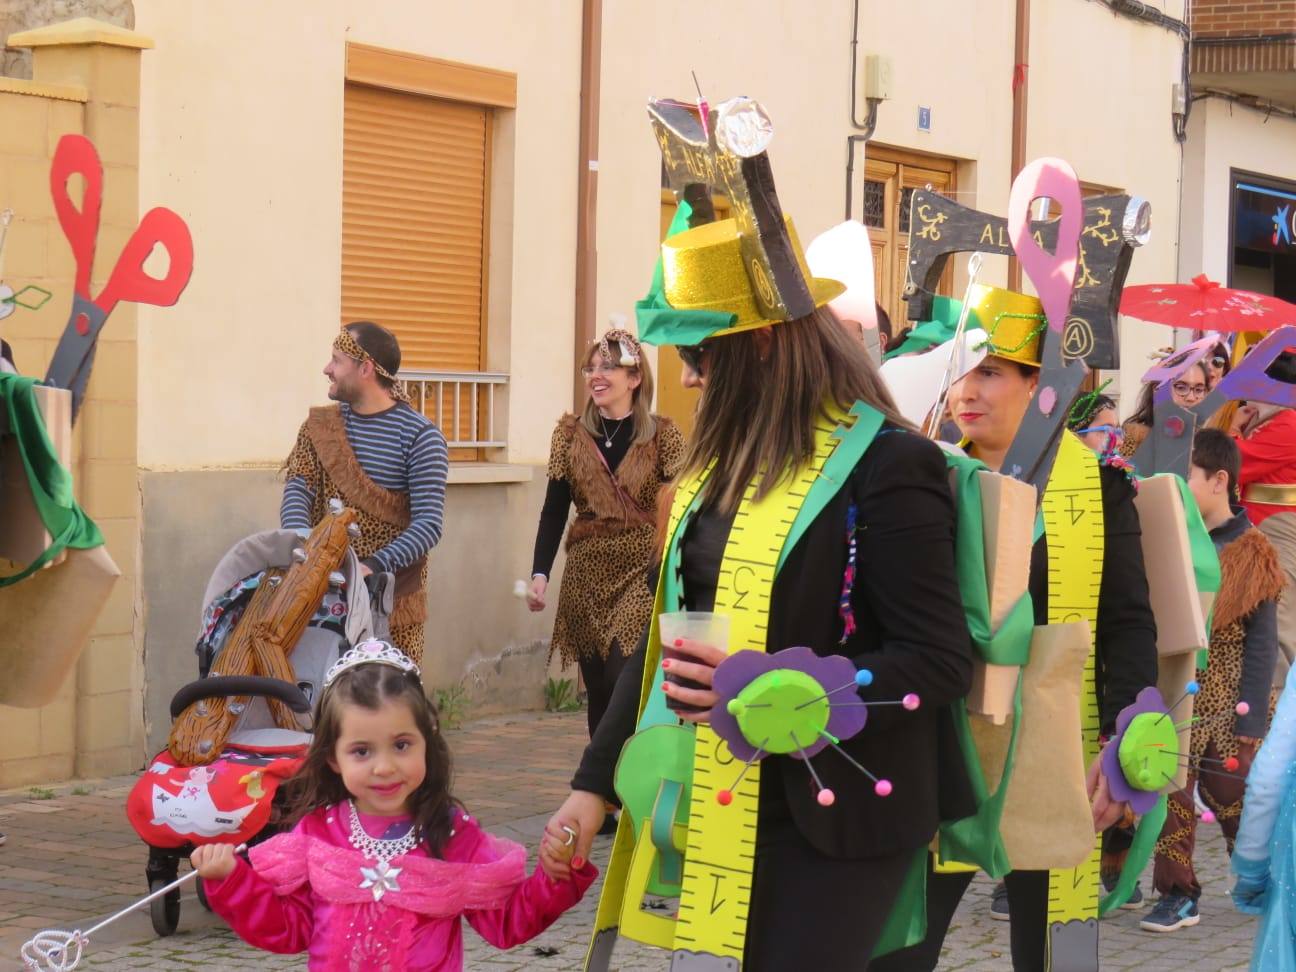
(1250, 574)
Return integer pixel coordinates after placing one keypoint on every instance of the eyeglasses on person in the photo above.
(1186, 390)
(602, 368)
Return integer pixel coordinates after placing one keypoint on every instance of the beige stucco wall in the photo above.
(241, 132)
(1099, 97)
(1223, 136)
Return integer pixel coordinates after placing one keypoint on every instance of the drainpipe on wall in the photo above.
(587, 187)
(1021, 64)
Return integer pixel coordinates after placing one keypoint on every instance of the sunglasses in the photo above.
(693, 355)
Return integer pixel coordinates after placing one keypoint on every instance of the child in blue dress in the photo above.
(1264, 858)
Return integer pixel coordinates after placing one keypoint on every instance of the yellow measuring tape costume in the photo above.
(1073, 524)
(688, 767)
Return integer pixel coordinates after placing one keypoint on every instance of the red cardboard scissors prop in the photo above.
(74, 356)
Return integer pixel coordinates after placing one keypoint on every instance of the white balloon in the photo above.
(845, 253)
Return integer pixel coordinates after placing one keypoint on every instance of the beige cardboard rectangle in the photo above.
(1046, 822)
(1008, 519)
(48, 619)
(1181, 624)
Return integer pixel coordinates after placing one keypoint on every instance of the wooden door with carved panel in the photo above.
(890, 178)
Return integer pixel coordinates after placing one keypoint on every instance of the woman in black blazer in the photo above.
(989, 404)
(825, 877)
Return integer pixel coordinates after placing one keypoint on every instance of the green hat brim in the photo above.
(935, 331)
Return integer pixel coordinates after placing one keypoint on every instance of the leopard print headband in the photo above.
(349, 346)
(628, 349)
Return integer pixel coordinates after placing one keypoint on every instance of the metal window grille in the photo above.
(463, 404)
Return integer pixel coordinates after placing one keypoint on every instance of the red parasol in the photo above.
(1205, 305)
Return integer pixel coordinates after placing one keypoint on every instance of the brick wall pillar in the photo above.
(107, 727)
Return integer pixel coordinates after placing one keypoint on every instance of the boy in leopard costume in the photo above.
(1243, 650)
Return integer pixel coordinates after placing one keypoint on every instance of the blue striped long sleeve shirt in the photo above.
(400, 450)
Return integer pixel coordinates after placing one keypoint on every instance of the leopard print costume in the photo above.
(1251, 575)
(323, 457)
(605, 599)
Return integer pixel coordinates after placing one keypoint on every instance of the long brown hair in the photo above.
(372, 687)
(645, 426)
(757, 416)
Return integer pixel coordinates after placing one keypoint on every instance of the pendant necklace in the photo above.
(382, 877)
(607, 439)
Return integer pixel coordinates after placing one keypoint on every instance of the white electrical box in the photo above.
(876, 78)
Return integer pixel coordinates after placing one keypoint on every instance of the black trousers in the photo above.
(1027, 904)
(809, 911)
(600, 676)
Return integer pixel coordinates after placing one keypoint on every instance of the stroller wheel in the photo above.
(202, 893)
(164, 911)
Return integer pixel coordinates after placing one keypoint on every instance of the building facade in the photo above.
(482, 179)
(1240, 160)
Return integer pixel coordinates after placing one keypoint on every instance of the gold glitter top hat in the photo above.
(1014, 322)
(720, 277)
(703, 269)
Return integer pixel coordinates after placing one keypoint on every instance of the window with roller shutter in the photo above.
(413, 223)
(415, 226)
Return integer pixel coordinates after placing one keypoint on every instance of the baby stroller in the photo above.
(174, 808)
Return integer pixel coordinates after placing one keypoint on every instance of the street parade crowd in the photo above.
(908, 603)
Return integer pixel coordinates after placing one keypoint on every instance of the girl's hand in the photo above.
(213, 862)
(535, 596)
(583, 812)
(699, 666)
(1106, 811)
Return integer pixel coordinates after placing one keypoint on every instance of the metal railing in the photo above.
(461, 403)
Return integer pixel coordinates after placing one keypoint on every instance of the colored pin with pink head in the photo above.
(779, 705)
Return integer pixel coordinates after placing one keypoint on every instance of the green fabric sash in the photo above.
(51, 484)
(976, 839)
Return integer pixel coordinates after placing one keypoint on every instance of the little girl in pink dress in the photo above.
(382, 863)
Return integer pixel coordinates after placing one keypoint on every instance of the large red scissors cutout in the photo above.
(74, 356)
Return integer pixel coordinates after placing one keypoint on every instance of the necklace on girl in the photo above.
(607, 439)
(381, 878)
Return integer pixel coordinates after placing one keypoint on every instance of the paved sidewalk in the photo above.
(72, 858)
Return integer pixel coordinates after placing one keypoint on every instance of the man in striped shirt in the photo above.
(382, 458)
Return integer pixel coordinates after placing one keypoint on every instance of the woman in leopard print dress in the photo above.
(611, 462)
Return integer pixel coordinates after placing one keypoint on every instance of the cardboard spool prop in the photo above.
(1111, 227)
(264, 639)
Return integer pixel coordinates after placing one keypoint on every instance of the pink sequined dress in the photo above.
(311, 891)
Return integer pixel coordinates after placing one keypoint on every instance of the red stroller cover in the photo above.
(225, 802)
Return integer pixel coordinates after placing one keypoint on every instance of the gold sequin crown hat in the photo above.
(1014, 323)
(717, 277)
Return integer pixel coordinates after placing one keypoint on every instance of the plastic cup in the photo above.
(704, 627)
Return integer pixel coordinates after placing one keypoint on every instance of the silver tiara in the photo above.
(372, 652)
